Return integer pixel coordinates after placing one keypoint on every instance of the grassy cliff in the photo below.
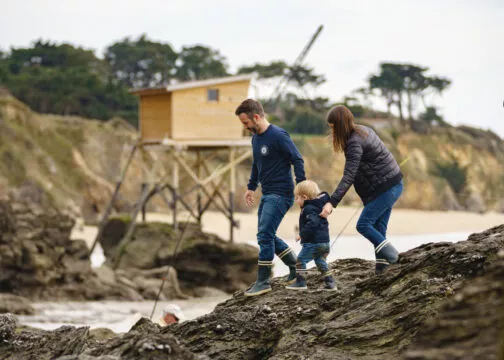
(446, 169)
(77, 161)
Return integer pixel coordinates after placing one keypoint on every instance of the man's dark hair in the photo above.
(250, 107)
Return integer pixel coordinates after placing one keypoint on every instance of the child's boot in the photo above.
(330, 284)
(386, 254)
(300, 283)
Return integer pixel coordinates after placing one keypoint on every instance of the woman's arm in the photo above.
(353, 155)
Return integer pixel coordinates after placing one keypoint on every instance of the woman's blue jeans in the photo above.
(373, 221)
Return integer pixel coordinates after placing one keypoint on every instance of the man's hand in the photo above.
(298, 237)
(249, 198)
(326, 210)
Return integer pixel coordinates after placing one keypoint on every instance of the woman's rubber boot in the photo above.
(262, 285)
(289, 259)
(330, 284)
(300, 283)
(386, 254)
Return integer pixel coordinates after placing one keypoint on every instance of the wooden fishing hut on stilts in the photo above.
(190, 123)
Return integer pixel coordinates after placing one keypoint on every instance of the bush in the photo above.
(454, 173)
(306, 121)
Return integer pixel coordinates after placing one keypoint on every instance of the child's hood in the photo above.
(319, 201)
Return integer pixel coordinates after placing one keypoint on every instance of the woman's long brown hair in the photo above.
(341, 120)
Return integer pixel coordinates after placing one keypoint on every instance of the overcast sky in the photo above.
(462, 40)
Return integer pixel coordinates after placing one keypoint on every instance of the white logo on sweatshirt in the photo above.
(264, 150)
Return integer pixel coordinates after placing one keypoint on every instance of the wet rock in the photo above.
(470, 325)
(370, 317)
(440, 301)
(204, 260)
(101, 334)
(38, 259)
(40, 344)
(7, 327)
(15, 304)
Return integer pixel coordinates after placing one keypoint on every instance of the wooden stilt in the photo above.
(232, 190)
(143, 187)
(175, 187)
(110, 205)
(121, 248)
(198, 195)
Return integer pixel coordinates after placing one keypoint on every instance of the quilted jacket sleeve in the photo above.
(353, 155)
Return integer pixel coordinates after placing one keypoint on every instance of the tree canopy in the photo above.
(405, 85)
(71, 80)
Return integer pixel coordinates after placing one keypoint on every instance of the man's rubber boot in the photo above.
(289, 259)
(386, 254)
(300, 283)
(330, 284)
(262, 285)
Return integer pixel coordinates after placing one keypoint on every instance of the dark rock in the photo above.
(15, 304)
(369, 318)
(40, 344)
(469, 325)
(203, 260)
(38, 260)
(440, 301)
(7, 327)
(101, 334)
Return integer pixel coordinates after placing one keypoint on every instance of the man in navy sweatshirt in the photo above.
(274, 153)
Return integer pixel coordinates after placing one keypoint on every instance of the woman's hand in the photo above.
(326, 210)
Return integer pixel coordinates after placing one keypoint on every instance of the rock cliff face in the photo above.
(441, 301)
(457, 168)
(37, 258)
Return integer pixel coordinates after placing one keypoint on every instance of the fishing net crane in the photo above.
(284, 81)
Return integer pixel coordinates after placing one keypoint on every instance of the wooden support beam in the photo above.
(110, 205)
(217, 188)
(121, 248)
(175, 186)
(232, 190)
(198, 195)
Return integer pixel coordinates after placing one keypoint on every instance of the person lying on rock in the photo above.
(274, 155)
(172, 314)
(375, 175)
(313, 233)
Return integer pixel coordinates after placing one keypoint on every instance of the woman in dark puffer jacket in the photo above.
(375, 175)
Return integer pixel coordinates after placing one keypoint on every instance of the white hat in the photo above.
(174, 310)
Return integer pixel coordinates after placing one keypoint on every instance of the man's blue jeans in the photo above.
(374, 219)
(314, 251)
(272, 209)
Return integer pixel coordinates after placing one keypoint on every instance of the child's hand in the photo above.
(298, 237)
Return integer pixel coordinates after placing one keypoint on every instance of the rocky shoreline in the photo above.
(39, 261)
(441, 301)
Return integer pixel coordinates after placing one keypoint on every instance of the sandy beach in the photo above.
(402, 222)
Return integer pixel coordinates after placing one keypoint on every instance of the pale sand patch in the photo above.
(402, 222)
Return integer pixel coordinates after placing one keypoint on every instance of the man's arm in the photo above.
(353, 155)
(291, 152)
(253, 180)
